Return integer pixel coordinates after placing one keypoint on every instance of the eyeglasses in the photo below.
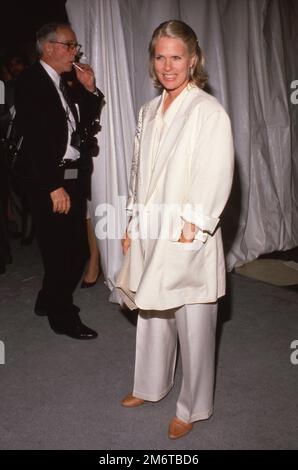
(70, 45)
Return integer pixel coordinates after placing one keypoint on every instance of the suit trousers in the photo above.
(63, 243)
(156, 349)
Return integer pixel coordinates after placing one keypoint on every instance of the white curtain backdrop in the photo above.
(251, 47)
(98, 28)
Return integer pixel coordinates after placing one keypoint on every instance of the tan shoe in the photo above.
(130, 401)
(178, 428)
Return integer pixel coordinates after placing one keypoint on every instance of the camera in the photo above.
(89, 141)
(75, 140)
(92, 146)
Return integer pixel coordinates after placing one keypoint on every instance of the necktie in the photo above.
(69, 101)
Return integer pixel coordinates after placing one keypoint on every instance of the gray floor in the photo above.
(60, 393)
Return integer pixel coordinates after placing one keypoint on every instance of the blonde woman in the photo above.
(174, 269)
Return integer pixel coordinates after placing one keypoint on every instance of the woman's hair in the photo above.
(179, 30)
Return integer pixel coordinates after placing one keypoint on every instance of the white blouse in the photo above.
(163, 121)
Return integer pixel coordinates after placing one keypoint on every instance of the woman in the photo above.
(93, 270)
(173, 268)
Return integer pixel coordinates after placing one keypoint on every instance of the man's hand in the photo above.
(188, 233)
(61, 201)
(85, 75)
(125, 242)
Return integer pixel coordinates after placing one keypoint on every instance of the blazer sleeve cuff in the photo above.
(194, 214)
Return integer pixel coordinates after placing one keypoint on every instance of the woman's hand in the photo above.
(125, 242)
(188, 233)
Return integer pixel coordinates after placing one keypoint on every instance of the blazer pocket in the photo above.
(182, 266)
(195, 245)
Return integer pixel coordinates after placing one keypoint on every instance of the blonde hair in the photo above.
(179, 30)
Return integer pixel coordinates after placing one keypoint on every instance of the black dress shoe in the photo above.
(86, 285)
(78, 331)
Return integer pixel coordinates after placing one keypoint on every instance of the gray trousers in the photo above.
(156, 349)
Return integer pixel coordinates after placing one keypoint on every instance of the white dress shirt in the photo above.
(71, 153)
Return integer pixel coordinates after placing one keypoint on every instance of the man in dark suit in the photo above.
(57, 166)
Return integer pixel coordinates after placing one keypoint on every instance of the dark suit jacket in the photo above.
(41, 120)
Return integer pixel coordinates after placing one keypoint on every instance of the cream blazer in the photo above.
(184, 176)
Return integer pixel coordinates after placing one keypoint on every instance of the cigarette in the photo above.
(76, 65)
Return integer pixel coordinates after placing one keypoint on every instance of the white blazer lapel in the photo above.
(170, 136)
(145, 149)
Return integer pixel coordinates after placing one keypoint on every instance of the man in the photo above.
(55, 162)
(14, 66)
